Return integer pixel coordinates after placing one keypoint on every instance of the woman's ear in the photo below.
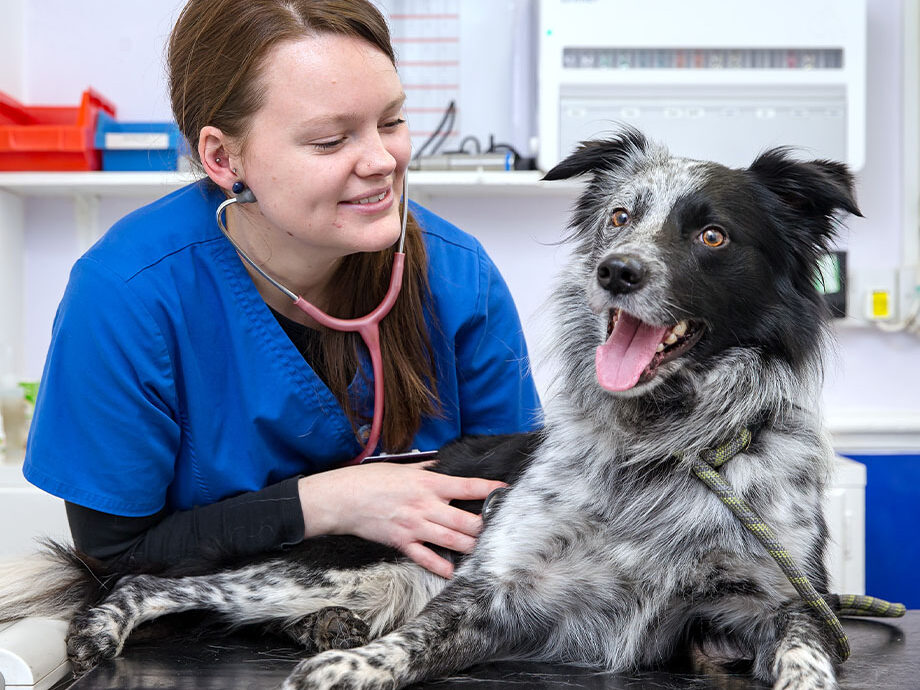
(215, 157)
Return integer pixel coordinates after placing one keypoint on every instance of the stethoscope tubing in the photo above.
(368, 326)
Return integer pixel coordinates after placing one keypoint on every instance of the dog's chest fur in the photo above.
(589, 516)
(586, 540)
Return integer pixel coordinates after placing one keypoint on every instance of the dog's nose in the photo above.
(621, 273)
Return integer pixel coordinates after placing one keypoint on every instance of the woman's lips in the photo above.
(369, 199)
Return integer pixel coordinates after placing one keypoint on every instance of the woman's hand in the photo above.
(399, 505)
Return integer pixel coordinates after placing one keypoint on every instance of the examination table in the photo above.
(885, 656)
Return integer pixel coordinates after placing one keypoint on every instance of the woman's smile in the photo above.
(373, 202)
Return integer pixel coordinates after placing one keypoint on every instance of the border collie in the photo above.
(688, 312)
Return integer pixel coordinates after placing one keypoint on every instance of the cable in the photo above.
(452, 111)
(909, 324)
(449, 113)
(493, 147)
(462, 147)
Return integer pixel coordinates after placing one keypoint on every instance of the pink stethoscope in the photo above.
(366, 326)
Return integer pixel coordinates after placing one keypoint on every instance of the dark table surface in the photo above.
(885, 655)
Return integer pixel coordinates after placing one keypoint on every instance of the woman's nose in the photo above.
(376, 158)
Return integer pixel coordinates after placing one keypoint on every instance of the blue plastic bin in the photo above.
(139, 145)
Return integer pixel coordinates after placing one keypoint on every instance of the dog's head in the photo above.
(685, 259)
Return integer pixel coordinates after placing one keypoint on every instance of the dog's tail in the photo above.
(55, 582)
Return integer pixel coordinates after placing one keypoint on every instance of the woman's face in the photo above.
(327, 152)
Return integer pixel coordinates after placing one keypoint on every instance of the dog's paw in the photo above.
(803, 667)
(341, 671)
(336, 627)
(93, 636)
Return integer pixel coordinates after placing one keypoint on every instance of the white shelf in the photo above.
(489, 183)
(426, 183)
(97, 183)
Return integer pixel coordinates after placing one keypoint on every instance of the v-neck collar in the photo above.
(283, 354)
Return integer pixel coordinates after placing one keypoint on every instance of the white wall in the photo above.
(11, 53)
(118, 49)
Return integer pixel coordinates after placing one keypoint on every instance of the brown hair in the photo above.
(216, 52)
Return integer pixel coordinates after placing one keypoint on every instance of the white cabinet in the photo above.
(846, 522)
(27, 513)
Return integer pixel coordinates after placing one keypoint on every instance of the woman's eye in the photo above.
(394, 123)
(713, 237)
(619, 217)
(327, 145)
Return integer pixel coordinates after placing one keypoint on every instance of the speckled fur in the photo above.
(607, 551)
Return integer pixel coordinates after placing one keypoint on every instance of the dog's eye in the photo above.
(713, 237)
(620, 217)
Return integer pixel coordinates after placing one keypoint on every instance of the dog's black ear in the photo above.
(600, 154)
(817, 189)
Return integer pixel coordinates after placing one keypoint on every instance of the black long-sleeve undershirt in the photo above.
(244, 525)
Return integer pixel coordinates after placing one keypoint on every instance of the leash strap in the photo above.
(706, 467)
(859, 605)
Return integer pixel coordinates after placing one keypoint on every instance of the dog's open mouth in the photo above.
(635, 350)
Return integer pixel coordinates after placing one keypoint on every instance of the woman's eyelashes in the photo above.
(330, 145)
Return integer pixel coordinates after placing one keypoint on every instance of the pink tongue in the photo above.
(626, 354)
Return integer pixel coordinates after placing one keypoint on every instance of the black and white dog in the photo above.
(688, 312)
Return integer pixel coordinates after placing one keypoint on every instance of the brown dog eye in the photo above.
(713, 237)
(620, 217)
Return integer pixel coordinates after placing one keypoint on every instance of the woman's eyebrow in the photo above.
(345, 118)
(396, 103)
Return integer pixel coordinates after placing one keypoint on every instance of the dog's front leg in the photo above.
(805, 652)
(457, 629)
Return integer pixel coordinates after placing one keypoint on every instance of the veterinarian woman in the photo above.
(188, 407)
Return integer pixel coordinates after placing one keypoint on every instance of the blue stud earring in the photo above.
(238, 187)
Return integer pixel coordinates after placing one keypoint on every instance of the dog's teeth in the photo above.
(660, 347)
(679, 329)
(671, 339)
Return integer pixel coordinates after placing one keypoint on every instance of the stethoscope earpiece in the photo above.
(245, 197)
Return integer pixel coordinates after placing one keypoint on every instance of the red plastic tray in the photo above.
(50, 137)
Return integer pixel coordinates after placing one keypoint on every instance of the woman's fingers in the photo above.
(429, 560)
(456, 520)
(440, 535)
(465, 488)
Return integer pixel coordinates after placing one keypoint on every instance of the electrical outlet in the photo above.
(874, 295)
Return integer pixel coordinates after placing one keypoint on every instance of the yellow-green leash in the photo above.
(705, 467)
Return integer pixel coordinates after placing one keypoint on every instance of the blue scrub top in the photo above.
(169, 382)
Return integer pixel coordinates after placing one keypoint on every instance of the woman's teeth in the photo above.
(371, 199)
